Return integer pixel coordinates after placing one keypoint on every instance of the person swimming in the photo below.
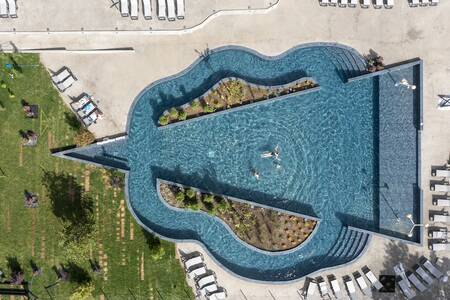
(255, 174)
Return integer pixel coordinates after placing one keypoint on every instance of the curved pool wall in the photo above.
(329, 155)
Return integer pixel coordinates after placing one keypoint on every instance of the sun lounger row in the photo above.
(354, 3)
(415, 3)
(205, 279)
(86, 110)
(63, 79)
(172, 9)
(8, 8)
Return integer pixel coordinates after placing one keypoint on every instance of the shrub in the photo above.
(193, 206)
(182, 115)
(208, 109)
(216, 103)
(195, 104)
(83, 137)
(3, 84)
(173, 112)
(180, 197)
(11, 94)
(163, 120)
(190, 193)
(208, 198)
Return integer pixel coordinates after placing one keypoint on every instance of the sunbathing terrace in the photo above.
(389, 34)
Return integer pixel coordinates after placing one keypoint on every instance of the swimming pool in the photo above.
(329, 141)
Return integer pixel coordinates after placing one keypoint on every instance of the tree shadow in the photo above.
(152, 241)
(72, 120)
(77, 273)
(13, 265)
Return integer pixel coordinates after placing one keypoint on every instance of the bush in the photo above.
(3, 84)
(195, 104)
(11, 94)
(208, 198)
(182, 115)
(180, 197)
(83, 137)
(208, 109)
(163, 120)
(193, 206)
(190, 193)
(173, 112)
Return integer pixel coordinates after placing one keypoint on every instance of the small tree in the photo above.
(208, 109)
(163, 120)
(190, 193)
(182, 115)
(173, 113)
(180, 197)
(195, 104)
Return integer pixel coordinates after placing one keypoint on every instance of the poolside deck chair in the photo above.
(444, 102)
(440, 187)
(440, 246)
(323, 288)
(365, 4)
(441, 202)
(423, 275)
(124, 8)
(335, 287)
(362, 284)
(324, 2)
(206, 280)
(219, 295)
(311, 289)
(343, 3)
(424, 2)
(378, 4)
(180, 9)
(440, 173)
(77, 105)
(67, 83)
(414, 3)
(89, 120)
(434, 2)
(441, 218)
(208, 289)
(86, 110)
(3, 9)
(353, 3)
(171, 15)
(440, 233)
(373, 280)
(161, 9)
(12, 7)
(416, 282)
(333, 2)
(147, 9)
(406, 290)
(196, 271)
(389, 4)
(193, 261)
(350, 287)
(431, 268)
(134, 9)
(63, 74)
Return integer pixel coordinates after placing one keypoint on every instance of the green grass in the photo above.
(35, 234)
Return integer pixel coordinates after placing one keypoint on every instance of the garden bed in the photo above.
(229, 93)
(260, 227)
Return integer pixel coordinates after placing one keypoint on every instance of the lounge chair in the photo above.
(206, 280)
(12, 6)
(196, 271)
(440, 246)
(134, 9)
(440, 187)
(147, 9)
(414, 3)
(219, 295)
(350, 287)
(389, 4)
(365, 4)
(323, 288)
(444, 218)
(431, 268)
(362, 284)
(343, 3)
(77, 105)
(57, 78)
(208, 289)
(161, 9)
(406, 290)
(193, 261)
(335, 287)
(311, 290)
(444, 102)
(378, 4)
(86, 110)
(324, 2)
(89, 120)
(424, 275)
(440, 233)
(180, 9)
(3, 9)
(440, 173)
(424, 2)
(416, 282)
(441, 202)
(333, 2)
(67, 83)
(373, 280)
(124, 8)
(171, 15)
(434, 2)
(353, 3)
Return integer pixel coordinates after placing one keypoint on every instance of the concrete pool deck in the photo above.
(397, 34)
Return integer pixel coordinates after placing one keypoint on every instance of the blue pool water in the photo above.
(341, 148)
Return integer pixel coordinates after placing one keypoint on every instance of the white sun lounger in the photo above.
(378, 4)
(350, 288)
(440, 218)
(363, 285)
(86, 110)
(89, 120)
(417, 283)
(3, 9)
(323, 288)
(373, 280)
(424, 275)
(171, 16)
(414, 3)
(365, 4)
(57, 78)
(192, 262)
(353, 3)
(389, 4)
(406, 290)
(161, 9)
(147, 9)
(434, 2)
(333, 2)
(202, 282)
(134, 9)
(67, 83)
(431, 268)
(208, 289)
(336, 288)
(343, 3)
(438, 234)
(441, 188)
(440, 246)
(197, 271)
(12, 7)
(180, 9)
(324, 2)
(441, 202)
(424, 2)
(441, 173)
(219, 295)
(124, 8)
(80, 103)
(311, 290)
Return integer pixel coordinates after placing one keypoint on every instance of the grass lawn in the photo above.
(134, 265)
